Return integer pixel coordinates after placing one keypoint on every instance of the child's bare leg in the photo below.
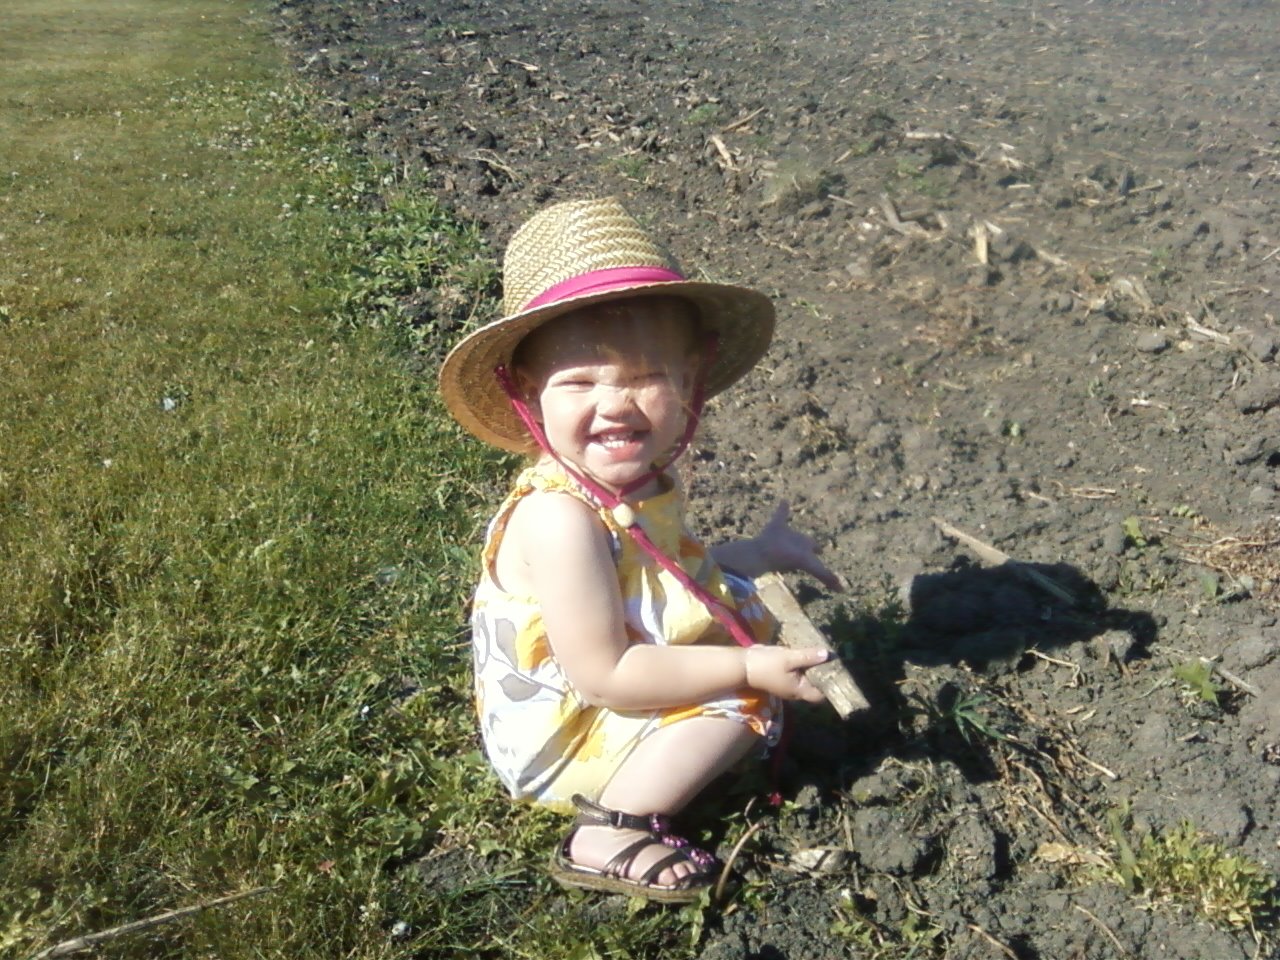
(667, 770)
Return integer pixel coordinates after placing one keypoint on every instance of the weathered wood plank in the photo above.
(796, 630)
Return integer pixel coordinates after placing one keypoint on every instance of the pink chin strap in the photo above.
(727, 616)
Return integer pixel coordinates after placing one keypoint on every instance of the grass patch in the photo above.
(233, 524)
(238, 533)
(702, 115)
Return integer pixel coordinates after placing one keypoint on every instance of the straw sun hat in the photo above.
(572, 255)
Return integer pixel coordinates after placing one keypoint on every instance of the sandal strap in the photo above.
(592, 814)
(621, 863)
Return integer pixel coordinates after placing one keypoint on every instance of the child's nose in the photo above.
(616, 400)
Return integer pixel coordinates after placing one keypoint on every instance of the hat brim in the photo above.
(743, 319)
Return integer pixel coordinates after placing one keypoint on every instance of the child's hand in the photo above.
(780, 671)
(786, 548)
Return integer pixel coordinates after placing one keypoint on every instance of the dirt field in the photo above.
(1027, 262)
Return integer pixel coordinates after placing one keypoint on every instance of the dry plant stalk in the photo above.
(90, 940)
(1253, 555)
(997, 557)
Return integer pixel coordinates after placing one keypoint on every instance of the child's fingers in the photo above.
(828, 577)
(809, 693)
(806, 690)
(781, 514)
(806, 657)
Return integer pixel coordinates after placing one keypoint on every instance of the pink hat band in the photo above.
(602, 281)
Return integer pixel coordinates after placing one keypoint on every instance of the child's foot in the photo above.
(631, 854)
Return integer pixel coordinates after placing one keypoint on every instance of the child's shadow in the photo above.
(989, 619)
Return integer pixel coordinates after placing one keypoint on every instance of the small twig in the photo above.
(1086, 492)
(1074, 667)
(895, 222)
(725, 155)
(1052, 258)
(1231, 678)
(998, 557)
(1206, 333)
(729, 861)
(1270, 255)
(1109, 774)
(1104, 928)
(980, 243)
(992, 940)
(89, 940)
(1157, 185)
(797, 631)
(742, 121)
(528, 66)
(495, 163)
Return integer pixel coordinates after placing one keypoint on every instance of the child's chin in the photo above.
(616, 475)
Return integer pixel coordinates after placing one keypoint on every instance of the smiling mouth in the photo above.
(617, 440)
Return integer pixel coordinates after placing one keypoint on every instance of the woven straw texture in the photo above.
(571, 240)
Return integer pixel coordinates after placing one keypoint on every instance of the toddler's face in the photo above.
(611, 385)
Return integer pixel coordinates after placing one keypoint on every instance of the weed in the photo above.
(1186, 511)
(702, 115)
(932, 186)
(403, 245)
(1162, 265)
(1133, 534)
(967, 717)
(920, 937)
(1197, 682)
(1186, 868)
(905, 168)
(632, 166)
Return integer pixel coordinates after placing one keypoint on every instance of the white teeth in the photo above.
(615, 440)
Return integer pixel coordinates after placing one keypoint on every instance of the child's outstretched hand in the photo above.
(785, 548)
(781, 671)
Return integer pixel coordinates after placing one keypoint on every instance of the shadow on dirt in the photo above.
(932, 667)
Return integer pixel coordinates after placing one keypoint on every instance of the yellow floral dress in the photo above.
(545, 742)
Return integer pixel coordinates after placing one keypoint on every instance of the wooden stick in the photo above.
(797, 631)
(751, 831)
(1230, 677)
(725, 155)
(980, 243)
(89, 940)
(997, 557)
(742, 121)
(890, 211)
(1105, 929)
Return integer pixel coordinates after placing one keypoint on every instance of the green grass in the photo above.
(238, 534)
(234, 528)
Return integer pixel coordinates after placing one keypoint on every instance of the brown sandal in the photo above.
(613, 877)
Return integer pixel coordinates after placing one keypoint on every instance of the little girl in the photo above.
(608, 680)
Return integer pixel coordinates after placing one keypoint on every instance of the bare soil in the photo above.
(1027, 262)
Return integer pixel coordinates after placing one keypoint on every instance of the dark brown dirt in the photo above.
(1100, 398)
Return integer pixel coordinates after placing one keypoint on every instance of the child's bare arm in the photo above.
(565, 553)
(778, 546)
